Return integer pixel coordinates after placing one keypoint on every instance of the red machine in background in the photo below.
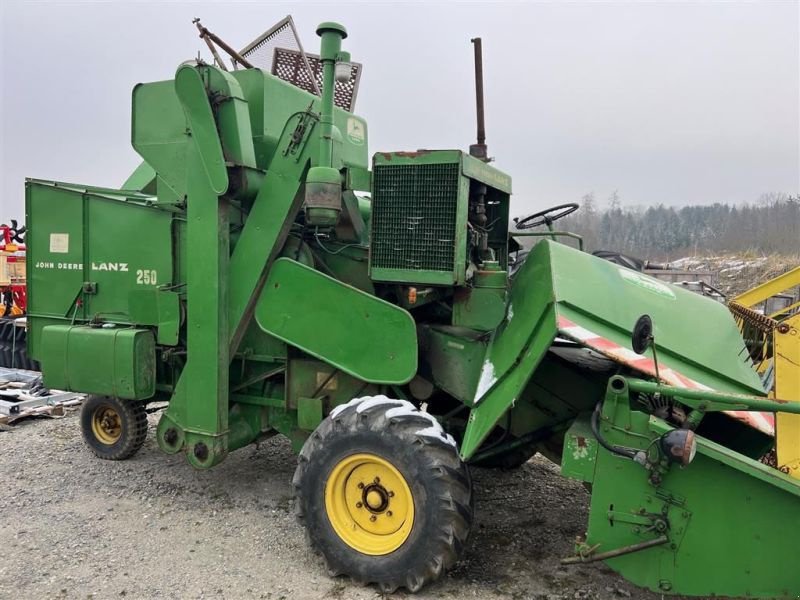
(12, 270)
(14, 297)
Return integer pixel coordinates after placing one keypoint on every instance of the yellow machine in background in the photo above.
(769, 317)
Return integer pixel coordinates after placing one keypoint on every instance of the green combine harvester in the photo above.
(262, 274)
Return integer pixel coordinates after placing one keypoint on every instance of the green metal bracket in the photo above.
(160, 308)
(268, 224)
(191, 91)
(220, 321)
(201, 425)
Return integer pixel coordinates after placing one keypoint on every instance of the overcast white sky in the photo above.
(694, 102)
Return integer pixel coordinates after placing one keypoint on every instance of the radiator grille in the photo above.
(414, 216)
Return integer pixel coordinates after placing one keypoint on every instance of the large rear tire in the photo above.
(383, 494)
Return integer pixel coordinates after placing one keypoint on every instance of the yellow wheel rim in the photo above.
(106, 425)
(369, 504)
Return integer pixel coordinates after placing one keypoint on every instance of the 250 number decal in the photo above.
(146, 277)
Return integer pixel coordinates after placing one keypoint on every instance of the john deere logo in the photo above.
(355, 131)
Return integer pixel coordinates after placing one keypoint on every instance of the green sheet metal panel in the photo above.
(107, 238)
(128, 247)
(596, 303)
(479, 308)
(159, 132)
(452, 357)
(485, 173)
(143, 179)
(190, 87)
(273, 101)
(159, 308)
(118, 362)
(731, 521)
(514, 352)
(356, 332)
(695, 336)
(55, 249)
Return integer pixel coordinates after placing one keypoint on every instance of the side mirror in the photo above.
(642, 336)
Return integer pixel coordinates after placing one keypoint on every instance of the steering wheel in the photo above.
(547, 216)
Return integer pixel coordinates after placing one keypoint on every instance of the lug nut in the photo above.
(388, 513)
(373, 518)
(391, 494)
(377, 480)
(359, 505)
(361, 486)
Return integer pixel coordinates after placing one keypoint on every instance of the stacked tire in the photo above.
(14, 347)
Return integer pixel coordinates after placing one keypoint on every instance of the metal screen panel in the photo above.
(279, 51)
(414, 211)
(288, 65)
(260, 51)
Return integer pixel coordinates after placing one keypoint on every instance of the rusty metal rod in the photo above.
(205, 33)
(476, 42)
(573, 560)
(212, 47)
(257, 378)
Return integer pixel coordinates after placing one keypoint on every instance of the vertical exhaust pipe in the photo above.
(331, 35)
(479, 150)
(323, 201)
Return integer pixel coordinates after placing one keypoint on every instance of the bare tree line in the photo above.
(771, 225)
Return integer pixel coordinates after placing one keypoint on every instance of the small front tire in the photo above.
(113, 429)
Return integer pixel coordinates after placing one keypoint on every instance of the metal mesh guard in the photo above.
(414, 216)
(279, 50)
(288, 65)
(259, 51)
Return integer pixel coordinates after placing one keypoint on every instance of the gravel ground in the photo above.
(152, 527)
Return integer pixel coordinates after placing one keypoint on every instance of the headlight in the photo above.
(342, 71)
(679, 446)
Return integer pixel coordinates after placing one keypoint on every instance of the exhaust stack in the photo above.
(479, 150)
(323, 200)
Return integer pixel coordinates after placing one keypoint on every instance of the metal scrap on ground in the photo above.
(23, 395)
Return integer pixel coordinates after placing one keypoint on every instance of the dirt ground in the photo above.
(74, 526)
